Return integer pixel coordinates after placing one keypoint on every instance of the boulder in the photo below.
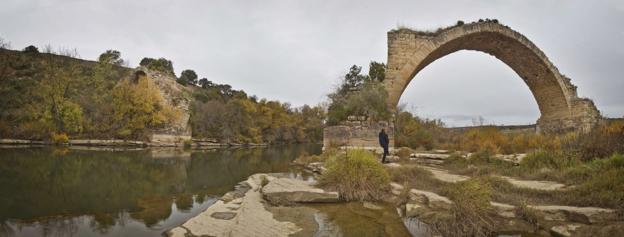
(433, 200)
(286, 191)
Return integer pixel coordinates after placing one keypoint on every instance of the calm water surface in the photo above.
(76, 192)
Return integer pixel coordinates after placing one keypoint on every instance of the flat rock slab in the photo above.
(251, 218)
(430, 156)
(392, 165)
(286, 191)
(585, 215)
(445, 176)
(534, 184)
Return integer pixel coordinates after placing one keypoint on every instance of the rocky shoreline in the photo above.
(249, 210)
(280, 204)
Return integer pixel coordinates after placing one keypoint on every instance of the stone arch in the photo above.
(561, 109)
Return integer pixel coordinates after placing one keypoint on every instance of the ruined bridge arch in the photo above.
(410, 51)
(561, 109)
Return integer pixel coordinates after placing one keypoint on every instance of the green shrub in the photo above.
(356, 175)
(161, 64)
(604, 187)
(31, 49)
(547, 159)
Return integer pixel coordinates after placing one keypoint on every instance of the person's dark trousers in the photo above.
(385, 153)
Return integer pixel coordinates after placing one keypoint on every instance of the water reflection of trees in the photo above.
(105, 184)
(59, 227)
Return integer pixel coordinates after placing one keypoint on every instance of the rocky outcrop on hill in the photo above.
(177, 96)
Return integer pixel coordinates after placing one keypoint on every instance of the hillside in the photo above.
(54, 97)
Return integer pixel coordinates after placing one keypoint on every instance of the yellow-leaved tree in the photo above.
(138, 106)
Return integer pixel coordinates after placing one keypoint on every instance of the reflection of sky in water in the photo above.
(87, 226)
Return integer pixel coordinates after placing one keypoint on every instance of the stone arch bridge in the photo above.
(410, 51)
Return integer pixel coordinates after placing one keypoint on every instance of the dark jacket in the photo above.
(383, 139)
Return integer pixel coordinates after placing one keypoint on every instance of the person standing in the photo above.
(384, 142)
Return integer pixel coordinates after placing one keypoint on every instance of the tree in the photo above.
(377, 71)
(31, 49)
(187, 77)
(205, 83)
(55, 90)
(111, 57)
(353, 79)
(359, 95)
(161, 64)
(140, 106)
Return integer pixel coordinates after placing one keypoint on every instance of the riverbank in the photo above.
(193, 143)
(459, 194)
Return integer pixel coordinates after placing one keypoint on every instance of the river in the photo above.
(81, 191)
(64, 191)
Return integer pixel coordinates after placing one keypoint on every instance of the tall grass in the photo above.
(471, 213)
(356, 175)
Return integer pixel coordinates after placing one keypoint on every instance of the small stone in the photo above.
(564, 230)
(413, 209)
(223, 215)
(371, 206)
(396, 188)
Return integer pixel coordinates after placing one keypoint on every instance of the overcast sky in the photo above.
(297, 51)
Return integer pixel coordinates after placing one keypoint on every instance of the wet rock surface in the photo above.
(287, 191)
(248, 211)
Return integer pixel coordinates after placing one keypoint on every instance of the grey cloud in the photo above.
(296, 51)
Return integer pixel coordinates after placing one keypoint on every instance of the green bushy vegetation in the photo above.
(414, 132)
(139, 105)
(356, 175)
(45, 93)
(162, 65)
(360, 95)
(255, 121)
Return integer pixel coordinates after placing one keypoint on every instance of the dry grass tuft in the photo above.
(356, 175)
